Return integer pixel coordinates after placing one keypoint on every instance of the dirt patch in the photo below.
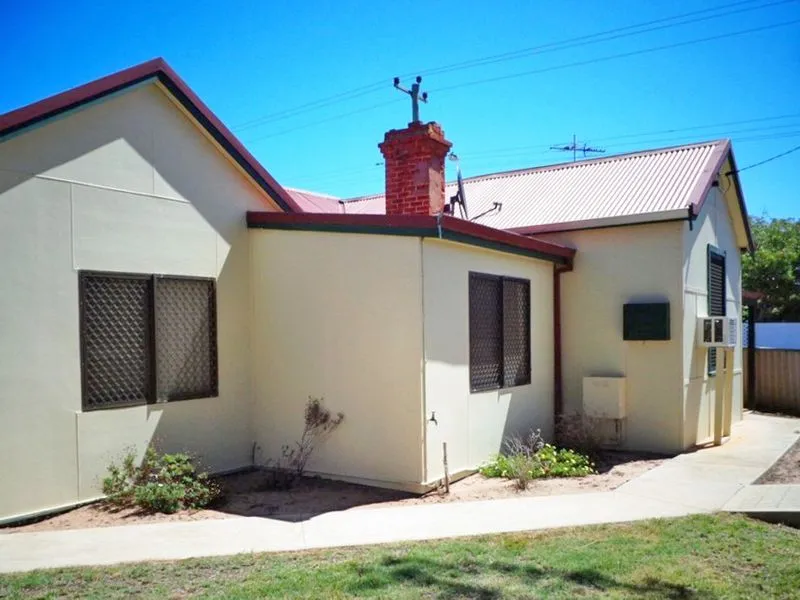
(246, 496)
(786, 469)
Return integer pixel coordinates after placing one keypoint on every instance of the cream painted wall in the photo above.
(712, 226)
(339, 316)
(129, 184)
(612, 267)
(475, 424)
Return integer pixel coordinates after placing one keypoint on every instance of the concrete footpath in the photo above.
(697, 482)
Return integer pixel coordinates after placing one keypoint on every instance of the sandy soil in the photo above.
(786, 469)
(246, 496)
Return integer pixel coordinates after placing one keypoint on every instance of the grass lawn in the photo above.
(719, 556)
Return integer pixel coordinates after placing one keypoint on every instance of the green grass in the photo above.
(719, 556)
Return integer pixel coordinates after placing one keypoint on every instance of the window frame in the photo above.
(151, 338)
(712, 253)
(500, 280)
(213, 339)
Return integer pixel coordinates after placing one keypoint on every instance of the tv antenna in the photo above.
(460, 198)
(575, 148)
(416, 97)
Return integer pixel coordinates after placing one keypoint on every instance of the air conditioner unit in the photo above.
(715, 332)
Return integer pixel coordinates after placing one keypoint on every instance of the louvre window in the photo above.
(716, 296)
(146, 338)
(499, 332)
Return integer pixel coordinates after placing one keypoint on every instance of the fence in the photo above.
(777, 381)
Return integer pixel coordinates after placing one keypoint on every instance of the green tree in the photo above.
(774, 268)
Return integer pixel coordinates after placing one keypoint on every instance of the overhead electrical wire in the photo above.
(766, 160)
(593, 140)
(542, 70)
(616, 56)
(357, 173)
(605, 36)
(514, 55)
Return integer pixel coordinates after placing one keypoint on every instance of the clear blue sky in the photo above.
(251, 60)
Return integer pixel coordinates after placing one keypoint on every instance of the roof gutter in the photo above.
(623, 221)
(440, 227)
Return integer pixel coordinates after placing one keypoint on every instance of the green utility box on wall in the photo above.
(646, 321)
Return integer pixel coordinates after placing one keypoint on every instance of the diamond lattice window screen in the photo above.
(485, 331)
(115, 318)
(516, 332)
(499, 332)
(186, 347)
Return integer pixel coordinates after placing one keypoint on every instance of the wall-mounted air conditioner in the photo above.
(717, 332)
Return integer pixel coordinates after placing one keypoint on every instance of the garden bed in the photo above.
(245, 495)
(786, 469)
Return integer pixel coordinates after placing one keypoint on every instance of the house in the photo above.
(161, 286)
(649, 227)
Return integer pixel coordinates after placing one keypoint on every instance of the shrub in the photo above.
(580, 432)
(162, 483)
(530, 458)
(319, 424)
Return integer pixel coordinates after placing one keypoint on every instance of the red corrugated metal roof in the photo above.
(314, 202)
(650, 185)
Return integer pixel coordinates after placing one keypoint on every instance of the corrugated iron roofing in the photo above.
(313, 202)
(627, 187)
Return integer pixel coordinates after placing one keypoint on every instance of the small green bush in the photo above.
(547, 461)
(163, 483)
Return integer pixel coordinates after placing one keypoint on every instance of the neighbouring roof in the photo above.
(654, 185)
(157, 69)
(442, 227)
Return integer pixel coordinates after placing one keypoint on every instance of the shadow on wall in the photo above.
(182, 160)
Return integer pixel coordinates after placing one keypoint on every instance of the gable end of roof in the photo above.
(18, 120)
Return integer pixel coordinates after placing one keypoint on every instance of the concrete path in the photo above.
(702, 481)
(766, 498)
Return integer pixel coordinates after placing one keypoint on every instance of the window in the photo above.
(716, 296)
(499, 332)
(146, 338)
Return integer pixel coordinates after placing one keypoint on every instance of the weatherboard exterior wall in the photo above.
(615, 266)
(339, 316)
(474, 425)
(713, 226)
(127, 185)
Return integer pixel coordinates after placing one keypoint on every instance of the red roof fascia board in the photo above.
(26, 116)
(416, 223)
(710, 175)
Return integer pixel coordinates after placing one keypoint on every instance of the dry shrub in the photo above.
(579, 432)
(319, 424)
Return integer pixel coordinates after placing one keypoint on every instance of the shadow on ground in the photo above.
(467, 579)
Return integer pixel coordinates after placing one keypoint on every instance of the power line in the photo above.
(523, 149)
(321, 121)
(603, 35)
(513, 55)
(544, 70)
(489, 162)
(617, 56)
(766, 160)
(355, 172)
(322, 103)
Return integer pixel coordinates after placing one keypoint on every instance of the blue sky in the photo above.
(254, 63)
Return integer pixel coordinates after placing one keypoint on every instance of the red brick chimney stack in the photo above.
(415, 169)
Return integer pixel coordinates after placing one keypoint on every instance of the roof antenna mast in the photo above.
(575, 148)
(416, 97)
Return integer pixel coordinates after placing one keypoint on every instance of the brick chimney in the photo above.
(415, 169)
